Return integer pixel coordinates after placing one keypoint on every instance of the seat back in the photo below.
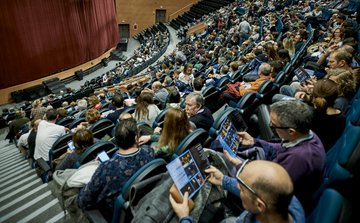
(195, 137)
(102, 127)
(247, 105)
(342, 160)
(58, 148)
(130, 110)
(105, 105)
(150, 169)
(66, 122)
(221, 84)
(266, 133)
(144, 129)
(279, 79)
(76, 122)
(159, 120)
(237, 76)
(331, 208)
(211, 98)
(92, 152)
(103, 110)
(265, 91)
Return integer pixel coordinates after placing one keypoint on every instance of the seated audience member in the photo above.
(301, 152)
(329, 122)
(32, 138)
(48, 132)
(160, 93)
(23, 142)
(242, 88)
(233, 67)
(91, 116)
(37, 111)
(166, 139)
(214, 79)
(198, 85)
(62, 114)
(94, 102)
(82, 139)
(174, 99)
(346, 87)
(113, 115)
(81, 106)
(186, 79)
(16, 124)
(196, 111)
(146, 111)
(265, 190)
(109, 178)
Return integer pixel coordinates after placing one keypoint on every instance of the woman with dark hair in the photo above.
(82, 139)
(174, 99)
(110, 177)
(146, 111)
(329, 122)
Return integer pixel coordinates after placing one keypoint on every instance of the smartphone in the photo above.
(71, 145)
(103, 156)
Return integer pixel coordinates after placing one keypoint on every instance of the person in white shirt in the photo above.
(48, 132)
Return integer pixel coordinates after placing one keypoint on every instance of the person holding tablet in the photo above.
(265, 189)
(81, 140)
(109, 178)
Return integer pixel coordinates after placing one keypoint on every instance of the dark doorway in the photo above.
(160, 15)
(124, 31)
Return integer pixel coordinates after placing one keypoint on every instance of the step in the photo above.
(29, 206)
(13, 178)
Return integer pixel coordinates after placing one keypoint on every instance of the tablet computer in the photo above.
(188, 170)
(301, 74)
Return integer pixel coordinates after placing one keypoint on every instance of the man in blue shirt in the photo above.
(266, 193)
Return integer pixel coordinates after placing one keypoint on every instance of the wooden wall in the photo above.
(5, 94)
(142, 12)
(139, 12)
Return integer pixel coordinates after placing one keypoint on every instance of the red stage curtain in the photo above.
(42, 37)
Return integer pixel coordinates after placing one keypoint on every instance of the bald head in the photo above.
(271, 182)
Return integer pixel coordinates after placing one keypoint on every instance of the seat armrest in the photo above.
(94, 216)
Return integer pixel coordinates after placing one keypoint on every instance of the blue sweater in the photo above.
(109, 178)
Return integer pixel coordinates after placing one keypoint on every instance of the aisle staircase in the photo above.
(23, 196)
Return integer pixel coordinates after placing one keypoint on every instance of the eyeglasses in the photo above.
(278, 127)
(241, 182)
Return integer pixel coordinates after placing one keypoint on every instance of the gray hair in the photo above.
(293, 113)
(265, 69)
(199, 99)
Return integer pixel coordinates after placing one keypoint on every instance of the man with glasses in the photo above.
(265, 189)
(301, 152)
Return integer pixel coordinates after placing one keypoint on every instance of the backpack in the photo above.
(145, 206)
(66, 185)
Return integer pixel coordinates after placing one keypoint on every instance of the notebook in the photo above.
(188, 170)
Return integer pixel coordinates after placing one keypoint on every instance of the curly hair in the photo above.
(92, 115)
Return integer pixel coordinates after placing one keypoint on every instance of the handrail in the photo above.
(180, 11)
(198, 28)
